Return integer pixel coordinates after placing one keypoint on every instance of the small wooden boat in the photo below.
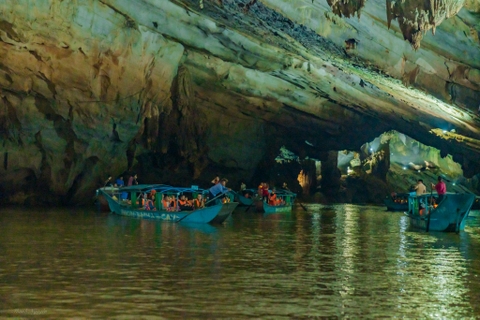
(448, 216)
(397, 202)
(246, 197)
(225, 212)
(476, 204)
(286, 200)
(133, 207)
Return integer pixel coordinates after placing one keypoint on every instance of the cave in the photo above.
(280, 91)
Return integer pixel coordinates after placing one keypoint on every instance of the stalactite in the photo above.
(416, 17)
(347, 8)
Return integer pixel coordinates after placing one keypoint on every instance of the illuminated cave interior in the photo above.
(409, 160)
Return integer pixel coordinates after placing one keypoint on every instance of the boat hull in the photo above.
(225, 212)
(101, 201)
(393, 206)
(244, 201)
(204, 215)
(399, 203)
(449, 216)
(276, 209)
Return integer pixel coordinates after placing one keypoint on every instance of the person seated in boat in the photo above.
(225, 199)
(243, 186)
(260, 190)
(173, 203)
(441, 189)
(184, 204)
(166, 202)
(420, 188)
(393, 195)
(216, 190)
(199, 202)
(272, 200)
(150, 201)
(285, 187)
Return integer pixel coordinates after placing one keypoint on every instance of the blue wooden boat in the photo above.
(132, 207)
(287, 198)
(225, 212)
(246, 201)
(397, 202)
(448, 216)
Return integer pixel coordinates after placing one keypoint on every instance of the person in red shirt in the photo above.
(441, 189)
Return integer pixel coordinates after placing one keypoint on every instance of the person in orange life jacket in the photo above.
(225, 199)
(184, 204)
(150, 201)
(273, 198)
(199, 202)
(166, 202)
(217, 189)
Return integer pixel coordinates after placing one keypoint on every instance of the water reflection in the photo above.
(340, 261)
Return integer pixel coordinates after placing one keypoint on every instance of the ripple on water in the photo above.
(339, 261)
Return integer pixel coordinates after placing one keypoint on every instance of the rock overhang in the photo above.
(268, 66)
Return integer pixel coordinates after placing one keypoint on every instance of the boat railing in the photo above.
(138, 195)
(421, 204)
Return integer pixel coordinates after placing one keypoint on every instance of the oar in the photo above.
(457, 224)
(251, 204)
(216, 197)
(301, 205)
(430, 209)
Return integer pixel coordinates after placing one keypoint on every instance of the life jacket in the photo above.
(273, 200)
(166, 204)
(198, 204)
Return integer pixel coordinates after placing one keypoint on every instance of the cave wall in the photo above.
(181, 93)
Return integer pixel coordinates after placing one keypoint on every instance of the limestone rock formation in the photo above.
(183, 90)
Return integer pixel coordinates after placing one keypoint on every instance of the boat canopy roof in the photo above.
(160, 188)
(283, 192)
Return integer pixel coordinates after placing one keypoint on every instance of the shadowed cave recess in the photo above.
(345, 101)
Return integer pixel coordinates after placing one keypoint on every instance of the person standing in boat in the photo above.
(215, 180)
(420, 188)
(119, 183)
(132, 180)
(441, 189)
(243, 186)
(265, 192)
(216, 190)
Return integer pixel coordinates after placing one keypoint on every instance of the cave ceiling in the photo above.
(333, 73)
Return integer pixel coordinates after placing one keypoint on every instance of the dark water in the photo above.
(332, 262)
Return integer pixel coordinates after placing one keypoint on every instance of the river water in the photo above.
(330, 262)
